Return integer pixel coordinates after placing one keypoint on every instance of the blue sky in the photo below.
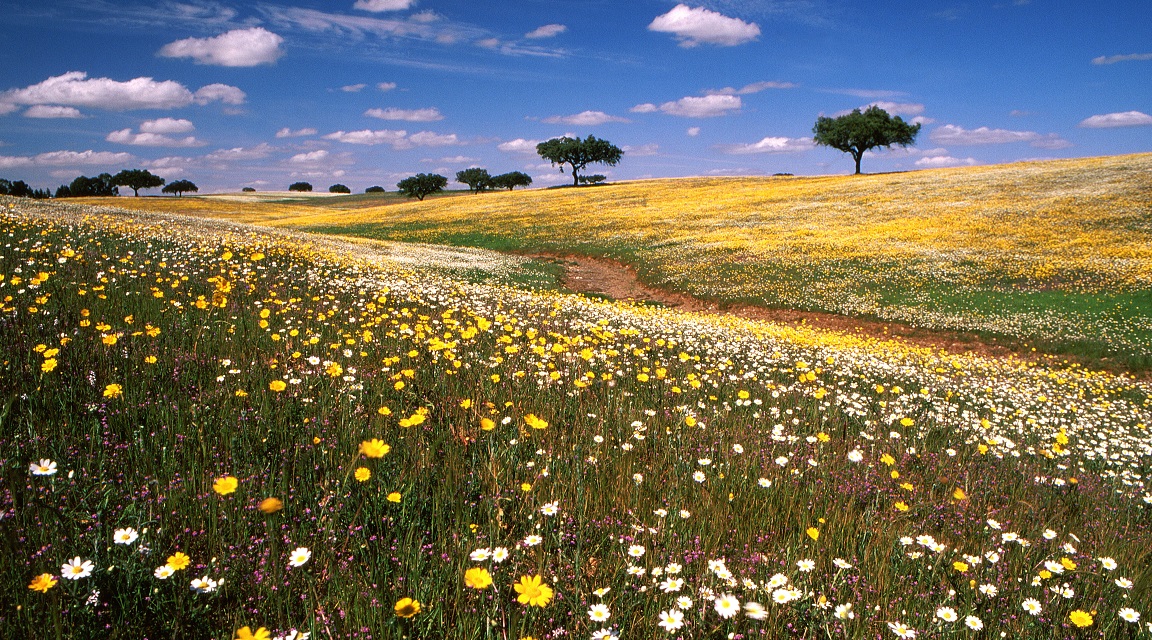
(365, 92)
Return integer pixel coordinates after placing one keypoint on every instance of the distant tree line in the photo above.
(20, 189)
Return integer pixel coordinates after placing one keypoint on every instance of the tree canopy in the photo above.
(374, 189)
(137, 179)
(422, 184)
(300, 186)
(476, 178)
(858, 132)
(511, 180)
(579, 153)
(339, 188)
(84, 186)
(180, 187)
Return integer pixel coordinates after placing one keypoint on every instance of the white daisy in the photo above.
(599, 613)
(127, 535)
(299, 556)
(76, 568)
(727, 605)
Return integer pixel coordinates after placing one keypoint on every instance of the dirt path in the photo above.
(619, 281)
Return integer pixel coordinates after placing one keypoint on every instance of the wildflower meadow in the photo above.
(215, 430)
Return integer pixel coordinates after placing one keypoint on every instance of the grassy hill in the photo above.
(1055, 255)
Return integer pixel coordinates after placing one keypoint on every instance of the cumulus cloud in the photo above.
(755, 87)
(519, 145)
(258, 152)
(642, 150)
(353, 88)
(451, 160)
(398, 139)
(951, 134)
(945, 161)
(386, 86)
(693, 26)
(66, 159)
(694, 106)
(488, 43)
(430, 114)
(144, 139)
(310, 157)
(75, 89)
(585, 119)
(1130, 57)
(377, 6)
(897, 108)
(52, 111)
(237, 48)
(167, 125)
(295, 133)
(220, 92)
(1122, 119)
(769, 145)
(693, 131)
(546, 31)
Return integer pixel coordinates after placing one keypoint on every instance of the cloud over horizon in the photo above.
(693, 26)
(236, 48)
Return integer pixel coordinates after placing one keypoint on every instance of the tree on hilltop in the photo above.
(476, 178)
(421, 185)
(137, 179)
(858, 132)
(339, 188)
(511, 180)
(180, 187)
(300, 186)
(579, 153)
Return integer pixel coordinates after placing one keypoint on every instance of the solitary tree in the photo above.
(858, 132)
(476, 178)
(137, 179)
(374, 189)
(249, 190)
(579, 153)
(180, 187)
(422, 184)
(300, 186)
(511, 180)
(339, 188)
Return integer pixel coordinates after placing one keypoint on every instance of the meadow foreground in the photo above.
(209, 429)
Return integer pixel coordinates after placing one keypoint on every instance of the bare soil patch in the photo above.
(618, 281)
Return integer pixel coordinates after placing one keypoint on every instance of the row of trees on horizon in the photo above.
(854, 133)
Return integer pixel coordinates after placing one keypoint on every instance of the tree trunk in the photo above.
(575, 178)
(858, 157)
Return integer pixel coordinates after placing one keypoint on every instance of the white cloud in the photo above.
(693, 131)
(7, 107)
(430, 139)
(945, 161)
(693, 26)
(769, 145)
(430, 114)
(167, 125)
(897, 108)
(75, 89)
(1122, 119)
(488, 43)
(755, 87)
(125, 136)
(67, 158)
(695, 106)
(261, 150)
(352, 88)
(236, 48)
(297, 133)
(452, 160)
(585, 118)
(952, 134)
(519, 145)
(386, 136)
(386, 86)
(309, 157)
(377, 6)
(1130, 57)
(642, 150)
(52, 111)
(398, 139)
(546, 31)
(222, 92)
